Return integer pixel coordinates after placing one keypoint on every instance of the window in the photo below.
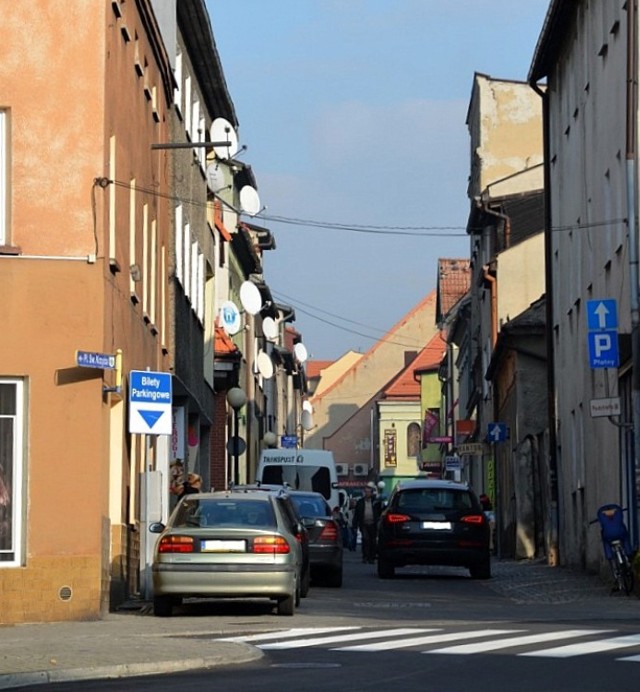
(3, 178)
(413, 440)
(11, 450)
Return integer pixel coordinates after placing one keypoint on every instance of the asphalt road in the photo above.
(429, 629)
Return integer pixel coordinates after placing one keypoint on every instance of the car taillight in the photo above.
(176, 544)
(329, 532)
(473, 519)
(272, 545)
(396, 518)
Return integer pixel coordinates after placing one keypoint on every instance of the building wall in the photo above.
(521, 277)
(590, 259)
(362, 382)
(506, 137)
(79, 113)
(397, 416)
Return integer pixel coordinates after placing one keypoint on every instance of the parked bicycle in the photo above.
(617, 544)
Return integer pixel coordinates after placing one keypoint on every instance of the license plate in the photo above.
(223, 547)
(438, 525)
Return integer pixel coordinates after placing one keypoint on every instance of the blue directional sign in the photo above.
(602, 337)
(150, 396)
(602, 314)
(497, 432)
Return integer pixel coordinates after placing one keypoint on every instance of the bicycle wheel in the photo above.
(627, 576)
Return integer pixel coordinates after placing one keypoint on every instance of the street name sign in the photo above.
(289, 441)
(606, 407)
(453, 463)
(471, 448)
(602, 337)
(91, 359)
(150, 396)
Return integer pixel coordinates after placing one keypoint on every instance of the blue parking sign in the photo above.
(602, 314)
(603, 349)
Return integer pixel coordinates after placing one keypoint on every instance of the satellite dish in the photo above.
(270, 328)
(306, 406)
(306, 420)
(215, 177)
(249, 200)
(250, 298)
(265, 365)
(300, 352)
(230, 317)
(221, 130)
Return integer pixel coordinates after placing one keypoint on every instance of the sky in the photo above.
(353, 113)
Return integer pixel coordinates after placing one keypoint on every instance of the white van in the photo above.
(301, 469)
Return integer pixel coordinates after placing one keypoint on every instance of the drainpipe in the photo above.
(632, 110)
(553, 549)
(493, 290)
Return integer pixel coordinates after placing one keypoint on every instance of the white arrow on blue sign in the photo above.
(602, 337)
(602, 314)
(497, 432)
(150, 396)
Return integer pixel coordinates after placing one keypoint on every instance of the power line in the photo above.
(415, 345)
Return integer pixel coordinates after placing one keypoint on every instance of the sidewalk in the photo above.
(123, 644)
(133, 642)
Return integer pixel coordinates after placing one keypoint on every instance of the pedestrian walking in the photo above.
(365, 519)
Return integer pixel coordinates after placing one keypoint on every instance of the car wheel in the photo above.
(162, 606)
(334, 579)
(482, 570)
(386, 569)
(286, 605)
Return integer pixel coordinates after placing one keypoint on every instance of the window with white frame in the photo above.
(11, 463)
(3, 178)
(179, 242)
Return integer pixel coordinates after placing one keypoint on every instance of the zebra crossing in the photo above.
(561, 643)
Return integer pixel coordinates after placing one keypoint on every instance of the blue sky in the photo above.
(353, 113)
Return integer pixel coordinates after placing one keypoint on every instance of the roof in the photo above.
(406, 386)
(431, 483)
(553, 37)
(315, 367)
(454, 281)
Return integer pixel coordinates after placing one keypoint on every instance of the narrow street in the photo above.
(531, 625)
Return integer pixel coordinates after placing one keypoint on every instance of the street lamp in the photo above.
(270, 439)
(236, 398)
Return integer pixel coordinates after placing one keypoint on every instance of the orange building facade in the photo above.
(84, 266)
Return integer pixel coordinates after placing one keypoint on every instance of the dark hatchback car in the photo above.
(325, 537)
(430, 522)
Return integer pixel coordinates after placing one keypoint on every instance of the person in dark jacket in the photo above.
(365, 519)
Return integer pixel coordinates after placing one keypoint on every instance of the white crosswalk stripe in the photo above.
(422, 641)
(487, 640)
(483, 647)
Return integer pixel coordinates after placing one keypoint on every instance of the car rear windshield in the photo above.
(310, 506)
(433, 500)
(224, 512)
(314, 478)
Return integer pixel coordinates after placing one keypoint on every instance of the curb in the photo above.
(14, 680)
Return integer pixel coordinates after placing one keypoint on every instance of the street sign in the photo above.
(602, 337)
(452, 463)
(289, 441)
(150, 396)
(469, 448)
(497, 432)
(605, 407)
(602, 314)
(603, 349)
(90, 359)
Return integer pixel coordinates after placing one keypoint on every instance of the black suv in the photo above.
(430, 522)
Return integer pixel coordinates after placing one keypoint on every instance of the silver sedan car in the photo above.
(227, 545)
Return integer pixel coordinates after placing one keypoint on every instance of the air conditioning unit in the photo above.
(342, 469)
(360, 470)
